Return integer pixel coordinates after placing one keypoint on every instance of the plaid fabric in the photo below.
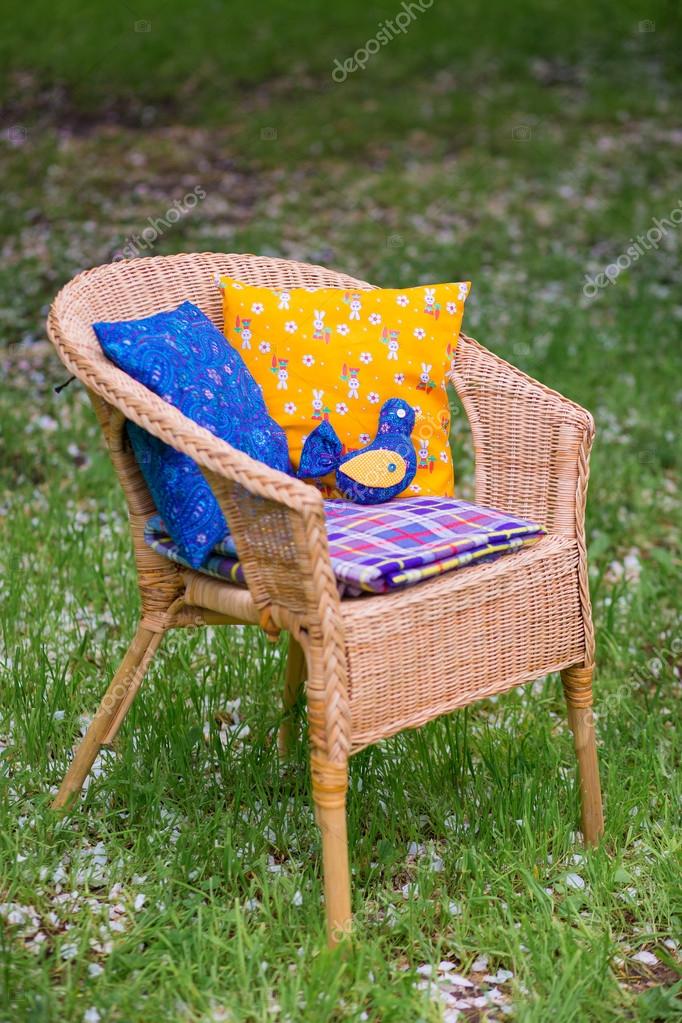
(386, 547)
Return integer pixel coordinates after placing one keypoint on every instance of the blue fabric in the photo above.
(323, 453)
(183, 357)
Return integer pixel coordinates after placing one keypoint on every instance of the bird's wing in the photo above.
(376, 467)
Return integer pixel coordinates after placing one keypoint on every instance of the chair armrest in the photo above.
(531, 444)
(277, 523)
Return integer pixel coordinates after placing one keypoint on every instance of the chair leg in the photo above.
(126, 703)
(577, 683)
(293, 679)
(330, 783)
(110, 712)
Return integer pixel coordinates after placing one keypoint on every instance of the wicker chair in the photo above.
(480, 631)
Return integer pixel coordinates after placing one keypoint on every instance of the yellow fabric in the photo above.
(329, 354)
(376, 468)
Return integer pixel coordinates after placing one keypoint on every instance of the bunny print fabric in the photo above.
(324, 354)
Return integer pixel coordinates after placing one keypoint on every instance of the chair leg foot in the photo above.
(330, 783)
(577, 683)
(110, 713)
(293, 680)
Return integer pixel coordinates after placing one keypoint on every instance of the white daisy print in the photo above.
(403, 300)
(415, 488)
(419, 333)
(257, 308)
(308, 360)
(399, 378)
(373, 397)
(463, 292)
(444, 456)
(290, 408)
(364, 438)
(451, 307)
(366, 357)
(291, 326)
(264, 347)
(375, 318)
(417, 410)
(341, 408)
(343, 329)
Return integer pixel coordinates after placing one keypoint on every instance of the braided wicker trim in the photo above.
(302, 589)
(577, 684)
(330, 782)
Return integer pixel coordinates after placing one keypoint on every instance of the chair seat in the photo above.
(419, 653)
(390, 547)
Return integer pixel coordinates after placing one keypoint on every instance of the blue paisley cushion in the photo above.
(181, 356)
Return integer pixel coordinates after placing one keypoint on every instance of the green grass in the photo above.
(464, 834)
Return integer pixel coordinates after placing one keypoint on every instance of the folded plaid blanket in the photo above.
(374, 549)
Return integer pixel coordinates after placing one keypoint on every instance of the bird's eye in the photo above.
(400, 413)
(391, 467)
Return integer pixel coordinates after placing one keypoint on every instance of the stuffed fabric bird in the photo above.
(375, 473)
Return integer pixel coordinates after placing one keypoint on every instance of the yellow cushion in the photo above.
(329, 354)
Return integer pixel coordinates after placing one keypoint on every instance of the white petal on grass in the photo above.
(501, 977)
(479, 964)
(297, 899)
(457, 980)
(95, 969)
(575, 881)
(91, 1015)
(647, 958)
(495, 996)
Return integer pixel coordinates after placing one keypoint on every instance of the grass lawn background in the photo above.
(521, 147)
